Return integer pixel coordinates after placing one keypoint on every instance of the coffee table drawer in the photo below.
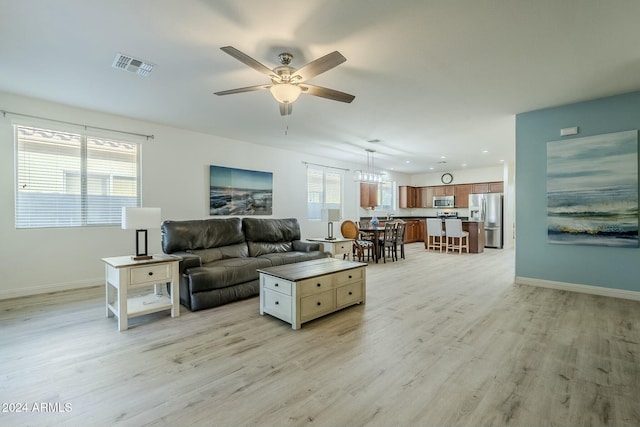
(277, 284)
(313, 306)
(349, 294)
(315, 285)
(278, 305)
(349, 275)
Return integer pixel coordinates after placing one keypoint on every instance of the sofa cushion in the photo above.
(238, 250)
(271, 230)
(260, 248)
(291, 257)
(200, 234)
(226, 272)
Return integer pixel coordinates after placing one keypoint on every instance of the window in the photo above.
(66, 179)
(386, 196)
(324, 191)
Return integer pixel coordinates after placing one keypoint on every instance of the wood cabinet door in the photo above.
(439, 190)
(496, 187)
(422, 230)
(368, 195)
(480, 187)
(407, 196)
(462, 195)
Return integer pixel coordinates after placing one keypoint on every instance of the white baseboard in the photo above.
(48, 288)
(585, 289)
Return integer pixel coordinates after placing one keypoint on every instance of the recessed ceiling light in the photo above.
(431, 168)
(408, 161)
(464, 165)
(443, 157)
(485, 151)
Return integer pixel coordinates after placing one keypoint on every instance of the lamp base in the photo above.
(141, 257)
(329, 238)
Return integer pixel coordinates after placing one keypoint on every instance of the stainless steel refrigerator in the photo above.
(487, 208)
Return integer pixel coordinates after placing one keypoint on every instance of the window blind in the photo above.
(67, 179)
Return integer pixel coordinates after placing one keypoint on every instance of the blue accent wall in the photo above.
(607, 267)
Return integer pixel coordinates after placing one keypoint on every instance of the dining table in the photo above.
(376, 232)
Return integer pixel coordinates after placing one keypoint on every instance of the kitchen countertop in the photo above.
(409, 217)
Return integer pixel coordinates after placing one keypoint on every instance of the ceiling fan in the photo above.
(287, 82)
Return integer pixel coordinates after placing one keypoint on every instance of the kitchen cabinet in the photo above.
(462, 192)
(407, 197)
(488, 187)
(411, 231)
(426, 197)
(444, 190)
(368, 195)
(496, 187)
(422, 230)
(480, 188)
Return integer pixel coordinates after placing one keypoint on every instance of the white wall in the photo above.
(175, 178)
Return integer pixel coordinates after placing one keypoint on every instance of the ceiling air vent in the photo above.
(133, 65)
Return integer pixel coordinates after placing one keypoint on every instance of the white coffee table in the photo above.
(303, 291)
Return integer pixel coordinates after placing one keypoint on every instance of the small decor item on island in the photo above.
(374, 221)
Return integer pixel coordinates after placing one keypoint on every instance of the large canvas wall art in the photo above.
(592, 190)
(239, 191)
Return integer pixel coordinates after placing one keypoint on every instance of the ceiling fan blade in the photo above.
(324, 92)
(320, 65)
(242, 89)
(247, 60)
(285, 109)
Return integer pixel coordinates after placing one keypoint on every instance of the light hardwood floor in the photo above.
(443, 340)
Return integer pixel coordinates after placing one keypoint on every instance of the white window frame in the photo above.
(388, 190)
(87, 208)
(317, 202)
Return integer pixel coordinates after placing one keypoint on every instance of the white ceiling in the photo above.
(431, 78)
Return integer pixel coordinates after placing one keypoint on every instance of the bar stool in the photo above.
(453, 231)
(435, 233)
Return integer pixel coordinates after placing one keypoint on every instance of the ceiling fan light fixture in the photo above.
(285, 93)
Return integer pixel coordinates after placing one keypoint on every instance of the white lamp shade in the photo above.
(285, 93)
(140, 218)
(331, 215)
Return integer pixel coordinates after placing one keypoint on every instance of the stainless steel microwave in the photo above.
(443, 201)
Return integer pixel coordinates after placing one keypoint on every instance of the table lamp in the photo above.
(140, 219)
(332, 215)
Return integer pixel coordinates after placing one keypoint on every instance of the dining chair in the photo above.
(435, 234)
(453, 231)
(388, 242)
(401, 227)
(349, 230)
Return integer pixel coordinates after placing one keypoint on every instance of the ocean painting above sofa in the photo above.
(592, 190)
(239, 191)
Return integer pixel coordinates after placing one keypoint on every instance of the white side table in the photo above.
(122, 274)
(339, 247)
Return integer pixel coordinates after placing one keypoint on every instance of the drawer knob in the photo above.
(319, 303)
(318, 285)
(350, 276)
(277, 302)
(151, 273)
(350, 293)
(276, 285)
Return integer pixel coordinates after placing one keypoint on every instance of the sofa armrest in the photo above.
(189, 260)
(300, 246)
